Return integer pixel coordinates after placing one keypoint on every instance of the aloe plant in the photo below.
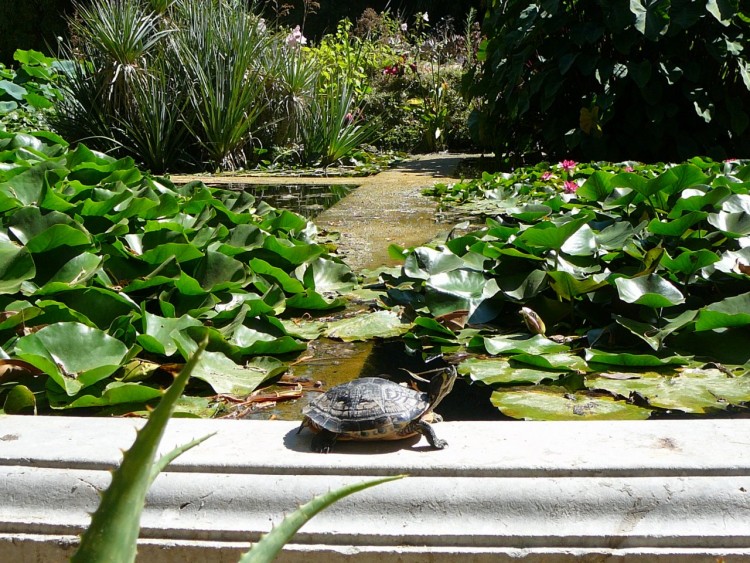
(271, 544)
(113, 533)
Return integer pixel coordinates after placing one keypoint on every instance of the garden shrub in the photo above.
(196, 85)
(408, 103)
(650, 80)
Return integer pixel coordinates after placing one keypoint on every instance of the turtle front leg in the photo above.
(429, 432)
(323, 441)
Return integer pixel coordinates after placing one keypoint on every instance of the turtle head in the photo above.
(441, 385)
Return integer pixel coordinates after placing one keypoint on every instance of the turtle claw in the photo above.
(323, 442)
(440, 444)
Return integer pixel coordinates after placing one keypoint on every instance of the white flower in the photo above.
(296, 38)
(426, 17)
(404, 27)
(261, 25)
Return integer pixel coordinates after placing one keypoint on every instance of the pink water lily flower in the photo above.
(546, 176)
(568, 165)
(570, 187)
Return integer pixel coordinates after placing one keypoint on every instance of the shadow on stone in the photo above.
(301, 443)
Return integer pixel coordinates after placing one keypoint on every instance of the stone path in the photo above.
(386, 208)
(389, 208)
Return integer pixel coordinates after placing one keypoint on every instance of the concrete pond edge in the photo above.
(502, 491)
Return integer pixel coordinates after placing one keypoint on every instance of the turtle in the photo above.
(374, 408)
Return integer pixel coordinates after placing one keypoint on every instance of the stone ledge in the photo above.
(620, 491)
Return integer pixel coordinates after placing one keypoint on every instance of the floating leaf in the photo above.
(559, 361)
(498, 371)
(555, 404)
(693, 391)
(115, 393)
(651, 290)
(226, 377)
(72, 354)
(20, 399)
(729, 312)
(380, 324)
(16, 266)
(522, 344)
(627, 359)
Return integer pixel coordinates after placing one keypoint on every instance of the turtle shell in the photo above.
(369, 408)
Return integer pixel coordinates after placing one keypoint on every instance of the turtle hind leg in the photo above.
(429, 432)
(323, 441)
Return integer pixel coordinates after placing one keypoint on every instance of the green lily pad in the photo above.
(424, 262)
(16, 266)
(159, 334)
(20, 399)
(553, 403)
(651, 290)
(692, 391)
(636, 360)
(458, 290)
(522, 344)
(498, 371)
(654, 336)
(72, 354)
(227, 377)
(379, 324)
(116, 393)
(559, 361)
(729, 312)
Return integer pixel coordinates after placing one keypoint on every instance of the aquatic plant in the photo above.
(638, 277)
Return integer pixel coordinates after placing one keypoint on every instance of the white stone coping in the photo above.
(538, 491)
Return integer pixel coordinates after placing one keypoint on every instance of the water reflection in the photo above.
(306, 199)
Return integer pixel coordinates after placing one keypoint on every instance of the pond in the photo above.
(329, 363)
(308, 200)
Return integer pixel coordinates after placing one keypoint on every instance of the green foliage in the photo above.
(28, 93)
(652, 80)
(333, 127)
(189, 84)
(628, 267)
(414, 105)
(105, 271)
(272, 543)
(112, 535)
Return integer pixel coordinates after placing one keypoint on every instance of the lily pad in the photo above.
(498, 371)
(651, 290)
(227, 377)
(692, 391)
(729, 312)
(72, 354)
(628, 359)
(522, 344)
(550, 403)
(380, 324)
(116, 393)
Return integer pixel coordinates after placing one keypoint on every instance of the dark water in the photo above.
(338, 362)
(306, 199)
